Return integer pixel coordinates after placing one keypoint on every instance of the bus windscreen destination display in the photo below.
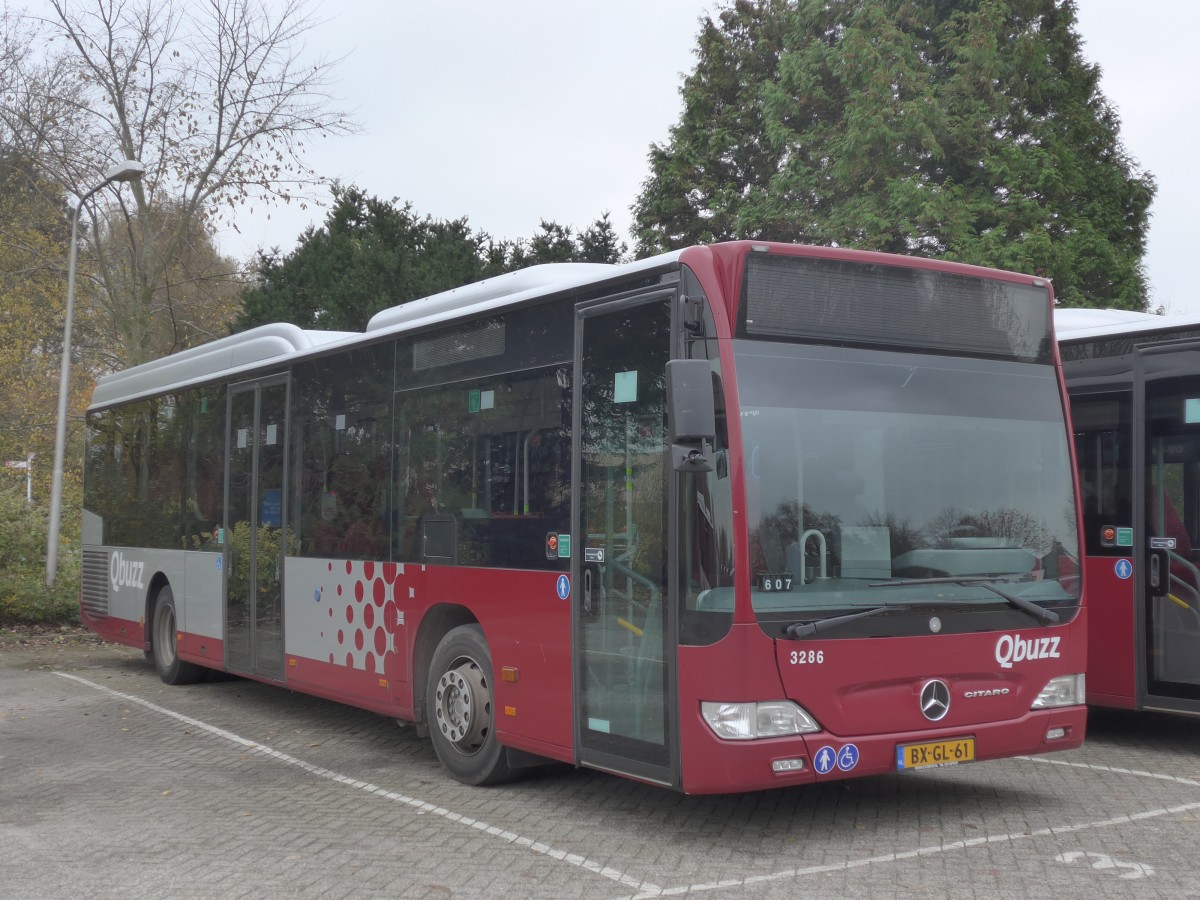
(829, 300)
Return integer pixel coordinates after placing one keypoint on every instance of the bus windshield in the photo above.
(896, 481)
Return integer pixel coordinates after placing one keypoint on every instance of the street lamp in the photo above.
(130, 170)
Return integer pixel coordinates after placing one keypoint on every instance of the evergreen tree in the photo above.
(371, 254)
(598, 243)
(971, 130)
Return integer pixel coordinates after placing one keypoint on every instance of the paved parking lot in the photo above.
(115, 785)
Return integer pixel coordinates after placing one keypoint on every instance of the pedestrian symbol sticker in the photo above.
(847, 758)
(825, 760)
(1123, 568)
(564, 587)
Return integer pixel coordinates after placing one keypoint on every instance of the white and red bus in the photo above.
(734, 517)
(1134, 383)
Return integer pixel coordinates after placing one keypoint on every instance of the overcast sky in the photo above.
(508, 113)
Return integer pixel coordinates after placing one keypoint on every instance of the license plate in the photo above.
(935, 753)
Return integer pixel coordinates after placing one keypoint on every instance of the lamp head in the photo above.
(130, 170)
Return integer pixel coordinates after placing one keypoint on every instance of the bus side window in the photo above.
(492, 454)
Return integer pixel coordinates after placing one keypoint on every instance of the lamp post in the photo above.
(130, 170)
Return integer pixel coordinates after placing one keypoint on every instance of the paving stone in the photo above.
(158, 795)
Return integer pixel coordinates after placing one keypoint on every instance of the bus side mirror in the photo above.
(691, 414)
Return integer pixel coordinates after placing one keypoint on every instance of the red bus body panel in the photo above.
(865, 693)
(115, 630)
(1111, 634)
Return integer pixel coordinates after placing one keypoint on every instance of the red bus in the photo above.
(735, 517)
(1134, 383)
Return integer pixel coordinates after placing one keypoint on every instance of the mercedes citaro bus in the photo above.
(730, 518)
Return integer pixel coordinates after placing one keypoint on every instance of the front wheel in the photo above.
(171, 669)
(459, 705)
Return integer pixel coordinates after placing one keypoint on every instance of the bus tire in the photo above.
(459, 706)
(171, 669)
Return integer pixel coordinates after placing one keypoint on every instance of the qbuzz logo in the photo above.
(124, 572)
(1012, 648)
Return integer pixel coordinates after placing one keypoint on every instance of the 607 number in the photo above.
(775, 581)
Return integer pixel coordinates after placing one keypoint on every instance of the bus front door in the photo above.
(623, 649)
(1169, 541)
(254, 528)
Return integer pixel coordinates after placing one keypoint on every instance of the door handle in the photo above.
(1158, 573)
(587, 600)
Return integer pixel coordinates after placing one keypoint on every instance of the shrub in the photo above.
(24, 597)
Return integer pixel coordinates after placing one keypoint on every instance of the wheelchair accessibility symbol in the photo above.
(847, 758)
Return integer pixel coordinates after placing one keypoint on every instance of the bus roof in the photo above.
(228, 354)
(1086, 324)
(509, 287)
(282, 342)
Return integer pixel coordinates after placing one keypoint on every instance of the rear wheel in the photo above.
(171, 669)
(459, 705)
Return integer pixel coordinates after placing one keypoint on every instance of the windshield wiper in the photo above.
(799, 630)
(1048, 616)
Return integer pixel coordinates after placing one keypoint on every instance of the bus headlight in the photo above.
(750, 721)
(1065, 690)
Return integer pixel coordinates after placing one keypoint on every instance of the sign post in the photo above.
(27, 465)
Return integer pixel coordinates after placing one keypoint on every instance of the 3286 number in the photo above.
(807, 657)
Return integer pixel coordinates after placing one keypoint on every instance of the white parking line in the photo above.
(910, 854)
(955, 845)
(643, 887)
(1190, 782)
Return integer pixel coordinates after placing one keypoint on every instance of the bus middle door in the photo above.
(255, 542)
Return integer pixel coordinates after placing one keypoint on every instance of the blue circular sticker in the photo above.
(1123, 568)
(824, 760)
(847, 758)
(564, 587)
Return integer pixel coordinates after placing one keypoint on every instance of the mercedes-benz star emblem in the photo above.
(935, 700)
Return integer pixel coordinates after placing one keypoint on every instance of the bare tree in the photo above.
(217, 98)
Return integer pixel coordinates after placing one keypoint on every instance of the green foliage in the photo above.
(972, 131)
(555, 243)
(267, 543)
(24, 597)
(371, 254)
(34, 237)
